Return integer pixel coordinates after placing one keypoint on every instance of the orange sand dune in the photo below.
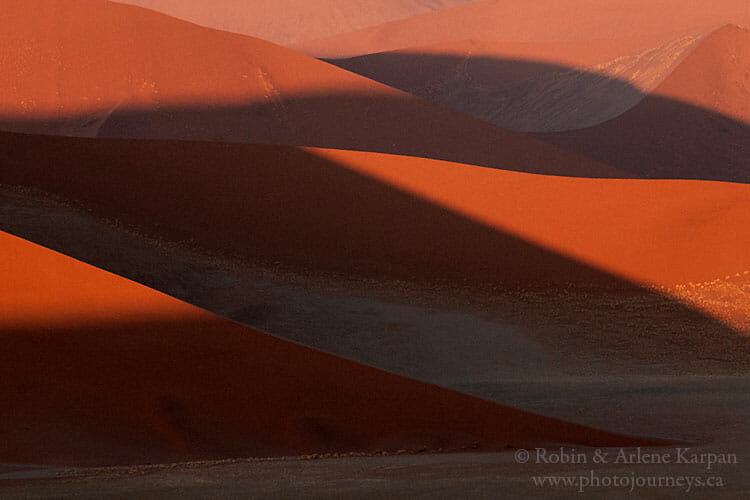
(138, 376)
(696, 123)
(94, 68)
(538, 21)
(530, 87)
(715, 76)
(292, 21)
(397, 217)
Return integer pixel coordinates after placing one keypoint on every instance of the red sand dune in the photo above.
(715, 76)
(396, 217)
(695, 124)
(97, 68)
(537, 21)
(292, 21)
(98, 370)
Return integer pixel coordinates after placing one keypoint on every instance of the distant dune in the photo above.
(174, 80)
(98, 370)
(292, 21)
(530, 87)
(695, 124)
(374, 215)
(537, 21)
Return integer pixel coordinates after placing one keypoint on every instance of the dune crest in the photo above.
(695, 124)
(714, 76)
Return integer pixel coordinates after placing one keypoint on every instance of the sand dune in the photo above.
(174, 80)
(539, 21)
(715, 75)
(529, 87)
(292, 21)
(706, 137)
(407, 218)
(99, 370)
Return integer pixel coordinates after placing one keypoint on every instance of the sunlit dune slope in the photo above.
(396, 217)
(96, 370)
(716, 75)
(292, 21)
(94, 68)
(696, 123)
(537, 21)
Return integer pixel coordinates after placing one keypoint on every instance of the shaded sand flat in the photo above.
(142, 388)
(530, 87)
(292, 21)
(710, 134)
(467, 475)
(175, 80)
(539, 21)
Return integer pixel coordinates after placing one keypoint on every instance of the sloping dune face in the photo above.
(397, 217)
(151, 76)
(696, 123)
(99, 370)
(292, 21)
(538, 21)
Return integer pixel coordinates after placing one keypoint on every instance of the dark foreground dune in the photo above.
(99, 370)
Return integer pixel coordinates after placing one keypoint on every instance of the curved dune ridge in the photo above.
(292, 21)
(397, 217)
(538, 21)
(695, 124)
(529, 87)
(174, 80)
(138, 376)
